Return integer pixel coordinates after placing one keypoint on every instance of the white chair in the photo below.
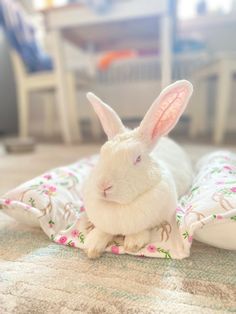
(223, 69)
(46, 82)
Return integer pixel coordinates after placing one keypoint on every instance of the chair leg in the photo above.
(202, 106)
(72, 107)
(223, 102)
(23, 111)
(61, 88)
(48, 113)
(199, 106)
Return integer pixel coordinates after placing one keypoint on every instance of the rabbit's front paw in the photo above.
(93, 254)
(96, 243)
(134, 242)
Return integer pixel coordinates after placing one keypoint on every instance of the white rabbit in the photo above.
(139, 175)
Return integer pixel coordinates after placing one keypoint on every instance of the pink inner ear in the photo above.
(170, 109)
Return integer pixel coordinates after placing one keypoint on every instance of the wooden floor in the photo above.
(17, 168)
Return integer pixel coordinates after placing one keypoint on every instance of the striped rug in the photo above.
(38, 276)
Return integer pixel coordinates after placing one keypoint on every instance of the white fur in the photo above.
(142, 194)
(96, 242)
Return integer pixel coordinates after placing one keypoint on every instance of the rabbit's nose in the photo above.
(105, 187)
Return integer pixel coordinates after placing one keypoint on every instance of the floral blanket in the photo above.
(207, 213)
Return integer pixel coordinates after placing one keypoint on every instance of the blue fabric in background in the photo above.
(21, 35)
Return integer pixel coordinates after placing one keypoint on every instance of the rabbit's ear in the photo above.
(111, 123)
(165, 112)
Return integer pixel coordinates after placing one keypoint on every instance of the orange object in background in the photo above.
(108, 58)
(49, 3)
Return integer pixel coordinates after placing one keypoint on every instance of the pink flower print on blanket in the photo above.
(47, 176)
(151, 248)
(49, 190)
(82, 209)
(7, 202)
(230, 169)
(51, 223)
(71, 243)
(74, 233)
(233, 189)
(188, 237)
(179, 214)
(78, 234)
(220, 182)
(62, 240)
(115, 249)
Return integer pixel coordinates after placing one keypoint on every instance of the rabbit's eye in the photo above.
(138, 159)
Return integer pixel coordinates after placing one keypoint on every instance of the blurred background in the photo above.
(53, 51)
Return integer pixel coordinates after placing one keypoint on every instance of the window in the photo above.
(188, 8)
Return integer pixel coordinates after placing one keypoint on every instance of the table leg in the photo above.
(72, 107)
(223, 102)
(48, 103)
(166, 51)
(198, 109)
(62, 86)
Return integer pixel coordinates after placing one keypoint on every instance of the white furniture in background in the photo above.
(47, 82)
(224, 68)
(131, 85)
(130, 24)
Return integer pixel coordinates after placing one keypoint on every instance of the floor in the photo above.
(38, 276)
(15, 169)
